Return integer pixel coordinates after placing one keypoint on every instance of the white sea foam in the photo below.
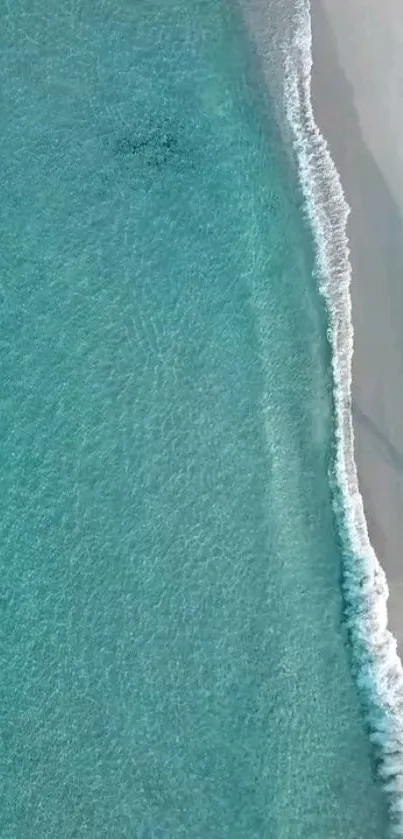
(377, 667)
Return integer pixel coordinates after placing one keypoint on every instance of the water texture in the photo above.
(171, 610)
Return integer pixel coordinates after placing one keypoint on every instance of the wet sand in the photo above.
(357, 91)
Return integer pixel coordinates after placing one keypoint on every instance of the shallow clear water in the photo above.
(174, 664)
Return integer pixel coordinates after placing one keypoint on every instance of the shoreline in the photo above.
(334, 94)
(376, 664)
(346, 119)
(352, 119)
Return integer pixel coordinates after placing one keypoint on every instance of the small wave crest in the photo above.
(377, 667)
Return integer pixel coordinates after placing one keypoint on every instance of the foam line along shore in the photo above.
(377, 665)
(318, 111)
(356, 89)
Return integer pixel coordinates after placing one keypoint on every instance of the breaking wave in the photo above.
(377, 667)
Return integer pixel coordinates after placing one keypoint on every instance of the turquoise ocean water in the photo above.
(174, 661)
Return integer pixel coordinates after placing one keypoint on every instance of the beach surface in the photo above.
(357, 91)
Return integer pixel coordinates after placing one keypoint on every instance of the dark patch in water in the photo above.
(154, 150)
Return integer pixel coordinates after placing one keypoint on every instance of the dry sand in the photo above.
(357, 90)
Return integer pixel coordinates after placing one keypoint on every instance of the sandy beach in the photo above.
(357, 91)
